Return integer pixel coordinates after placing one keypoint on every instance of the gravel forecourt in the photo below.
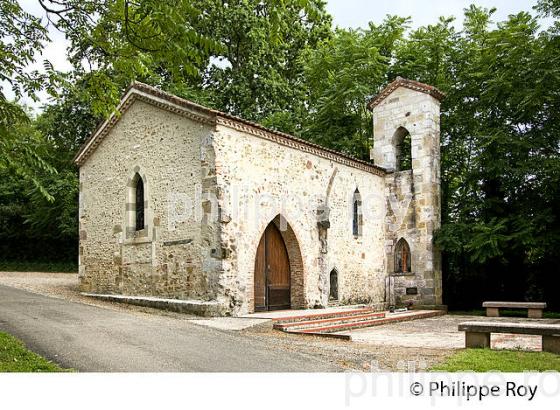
(333, 354)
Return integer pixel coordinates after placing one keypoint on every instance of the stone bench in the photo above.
(477, 334)
(534, 309)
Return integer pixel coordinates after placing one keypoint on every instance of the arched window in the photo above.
(402, 257)
(139, 202)
(357, 220)
(333, 290)
(403, 149)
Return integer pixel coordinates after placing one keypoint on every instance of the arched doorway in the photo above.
(272, 272)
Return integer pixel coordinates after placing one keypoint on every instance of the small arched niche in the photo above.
(403, 149)
(402, 257)
(333, 285)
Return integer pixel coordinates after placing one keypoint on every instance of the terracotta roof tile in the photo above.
(410, 84)
(203, 114)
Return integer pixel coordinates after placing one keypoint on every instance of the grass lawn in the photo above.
(487, 360)
(14, 357)
(504, 313)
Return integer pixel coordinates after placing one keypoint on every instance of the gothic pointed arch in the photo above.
(333, 284)
(357, 217)
(137, 205)
(139, 211)
(278, 277)
(403, 149)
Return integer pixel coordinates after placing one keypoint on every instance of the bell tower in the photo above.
(406, 142)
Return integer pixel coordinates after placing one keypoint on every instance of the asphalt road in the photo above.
(89, 338)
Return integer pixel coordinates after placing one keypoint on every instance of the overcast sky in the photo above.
(346, 13)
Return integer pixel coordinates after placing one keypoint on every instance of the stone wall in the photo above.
(413, 196)
(212, 185)
(260, 180)
(175, 255)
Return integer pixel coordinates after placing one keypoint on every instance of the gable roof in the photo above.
(410, 84)
(154, 96)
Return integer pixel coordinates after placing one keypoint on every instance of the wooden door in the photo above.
(272, 272)
(260, 276)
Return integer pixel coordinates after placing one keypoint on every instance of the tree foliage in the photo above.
(500, 153)
(173, 44)
(22, 37)
(341, 75)
(258, 74)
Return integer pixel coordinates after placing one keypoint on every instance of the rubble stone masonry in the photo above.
(212, 184)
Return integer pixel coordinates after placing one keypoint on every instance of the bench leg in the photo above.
(492, 312)
(476, 339)
(534, 313)
(551, 344)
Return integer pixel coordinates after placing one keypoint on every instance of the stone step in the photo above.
(197, 307)
(336, 328)
(337, 320)
(323, 315)
(341, 327)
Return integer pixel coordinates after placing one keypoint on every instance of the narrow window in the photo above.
(139, 209)
(402, 257)
(357, 219)
(333, 291)
(403, 149)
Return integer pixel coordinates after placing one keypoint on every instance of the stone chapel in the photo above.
(179, 201)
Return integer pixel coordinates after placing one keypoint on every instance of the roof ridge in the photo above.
(139, 87)
(406, 83)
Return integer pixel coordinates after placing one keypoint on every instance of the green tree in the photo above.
(170, 44)
(258, 75)
(22, 37)
(549, 7)
(35, 227)
(341, 75)
(500, 158)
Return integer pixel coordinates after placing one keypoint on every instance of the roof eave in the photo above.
(410, 84)
(206, 115)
